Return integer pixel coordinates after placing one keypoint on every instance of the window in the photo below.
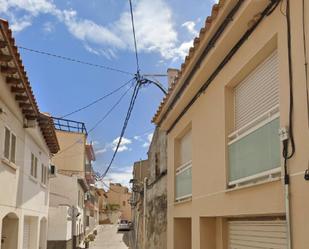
(157, 164)
(254, 145)
(34, 165)
(183, 168)
(124, 203)
(9, 145)
(44, 174)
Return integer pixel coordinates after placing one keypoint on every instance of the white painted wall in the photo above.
(19, 194)
(64, 191)
(59, 227)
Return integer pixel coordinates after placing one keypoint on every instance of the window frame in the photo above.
(235, 134)
(44, 174)
(34, 166)
(11, 134)
(180, 166)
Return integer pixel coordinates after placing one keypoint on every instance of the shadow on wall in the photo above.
(126, 238)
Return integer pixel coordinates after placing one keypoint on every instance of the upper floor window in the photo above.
(9, 145)
(34, 166)
(183, 180)
(157, 164)
(44, 174)
(254, 145)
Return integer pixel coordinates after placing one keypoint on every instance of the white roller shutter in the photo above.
(185, 148)
(26, 237)
(257, 234)
(258, 92)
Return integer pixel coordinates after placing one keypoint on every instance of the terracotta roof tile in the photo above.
(208, 22)
(46, 123)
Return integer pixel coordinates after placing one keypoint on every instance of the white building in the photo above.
(66, 193)
(28, 140)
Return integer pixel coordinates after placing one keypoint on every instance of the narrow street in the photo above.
(109, 238)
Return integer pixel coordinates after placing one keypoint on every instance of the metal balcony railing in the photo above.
(69, 125)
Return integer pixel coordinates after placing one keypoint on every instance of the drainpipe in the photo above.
(288, 215)
(145, 209)
(73, 227)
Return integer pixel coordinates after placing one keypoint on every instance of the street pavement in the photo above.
(109, 238)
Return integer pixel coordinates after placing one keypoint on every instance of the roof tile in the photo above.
(192, 50)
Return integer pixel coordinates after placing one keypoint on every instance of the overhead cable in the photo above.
(125, 124)
(98, 122)
(134, 36)
(75, 60)
(109, 111)
(97, 100)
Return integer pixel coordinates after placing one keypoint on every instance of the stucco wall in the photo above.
(119, 195)
(59, 227)
(64, 190)
(72, 151)
(209, 118)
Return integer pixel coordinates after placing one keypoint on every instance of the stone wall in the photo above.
(156, 193)
(156, 220)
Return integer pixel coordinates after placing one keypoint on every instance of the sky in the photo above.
(99, 31)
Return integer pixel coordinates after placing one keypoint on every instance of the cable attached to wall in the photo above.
(305, 55)
(290, 140)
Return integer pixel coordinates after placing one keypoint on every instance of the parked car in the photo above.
(123, 225)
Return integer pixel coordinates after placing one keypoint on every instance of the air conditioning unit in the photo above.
(52, 171)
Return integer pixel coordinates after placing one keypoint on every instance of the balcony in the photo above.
(254, 150)
(184, 181)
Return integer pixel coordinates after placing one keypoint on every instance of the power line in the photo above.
(97, 100)
(132, 102)
(134, 36)
(74, 60)
(98, 122)
(110, 110)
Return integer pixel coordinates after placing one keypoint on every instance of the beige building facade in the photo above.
(73, 188)
(226, 170)
(119, 197)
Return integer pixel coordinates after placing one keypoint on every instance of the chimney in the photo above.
(171, 74)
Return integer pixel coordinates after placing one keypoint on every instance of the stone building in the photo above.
(149, 202)
(118, 200)
(156, 193)
(140, 174)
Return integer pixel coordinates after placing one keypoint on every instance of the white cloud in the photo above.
(138, 138)
(100, 151)
(95, 142)
(190, 26)
(119, 175)
(48, 27)
(183, 49)
(155, 29)
(123, 145)
(89, 31)
(149, 138)
(34, 7)
(18, 24)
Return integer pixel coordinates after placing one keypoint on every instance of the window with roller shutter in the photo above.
(183, 181)
(254, 145)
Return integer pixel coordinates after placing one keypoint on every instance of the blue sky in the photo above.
(99, 31)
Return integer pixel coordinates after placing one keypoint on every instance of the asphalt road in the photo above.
(109, 238)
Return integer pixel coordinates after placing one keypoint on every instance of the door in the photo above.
(257, 234)
(26, 237)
